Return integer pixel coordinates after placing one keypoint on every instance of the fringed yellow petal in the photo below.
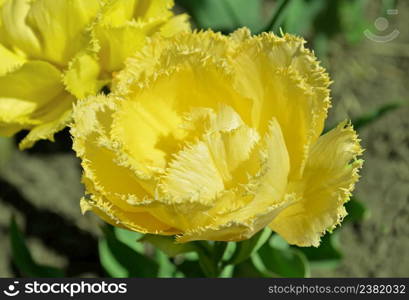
(150, 9)
(36, 81)
(157, 123)
(193, 175)
(91, 142)
(59, 25)
(86, 41)
(16, 33)
(117, 13)
(265, 203)
(51, 121)
(82, 76)
(129, 23)
(285, 81)
(9, 60)
(179, 23)
(117, 44)
(330, 175)
(25, 97)
(15, 111)
(137, 221)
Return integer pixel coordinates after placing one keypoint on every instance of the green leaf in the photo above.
(109, 262)
(246, 248)
(225, 15)
(227, 272)
(229, 252)
(219, 248)
(300, 16)
(282, 260)
(120, 260)
(352, 16)
(191, 269)
(23, 258)
(166, 268)
(130, 238)
(247, 269)
(168, 245)
(321, 46)
(206, 258)
(356, 211)
(327, 255)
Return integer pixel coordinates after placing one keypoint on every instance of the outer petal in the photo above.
(117, 13)
(60, 26)
(35, 81)
(137, 221)
(53, 30)
(285, 81)
(16, 33)
(52, 121)
(179, 23)
(33, 97)
(91, 132)
(148, 9)
(330, 174)
(9, 60)
(82, 76)
(117, 44)
(129, 23)
(119, 200)
(26, 89)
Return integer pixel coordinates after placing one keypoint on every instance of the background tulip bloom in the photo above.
(212, 137)
(53, 52)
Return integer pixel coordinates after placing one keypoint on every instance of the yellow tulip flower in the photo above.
(53, 52)
(212, 137)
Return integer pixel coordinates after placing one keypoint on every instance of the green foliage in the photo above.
(247, 269)
(327, 255)
(191, 269)
(166, 268)
(264, 255)
(24, 260)
(168, 245)
(356, 211)
(282, 260)
(225, 15)
(352, 19)
(300, 16)
(246, 248)
(120, 260)
(278, 16)
(129, 238)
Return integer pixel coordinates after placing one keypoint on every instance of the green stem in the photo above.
(210, 257)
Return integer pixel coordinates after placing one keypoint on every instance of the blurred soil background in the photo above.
(42, 187)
